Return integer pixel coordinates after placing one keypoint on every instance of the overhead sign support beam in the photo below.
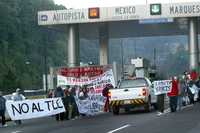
(73, 45)
(193, 43)
(103, 42)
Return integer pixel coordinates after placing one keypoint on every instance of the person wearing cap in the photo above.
(2, 109)
(17, 96)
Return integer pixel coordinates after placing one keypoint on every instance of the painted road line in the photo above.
(120, 128)
(16, 132)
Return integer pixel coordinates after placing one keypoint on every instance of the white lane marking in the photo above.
(120, 128)
(168, 110)
(16, 132)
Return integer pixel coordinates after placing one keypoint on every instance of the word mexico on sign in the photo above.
(162, 86)
(125, 13)
(29, 109)
(132, 12)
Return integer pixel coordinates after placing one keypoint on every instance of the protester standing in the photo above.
(198, 85)
(2, 109)
(59, 93)
(66, 102)
(161, 102)
(173, 95)
(194, 75)
(74, 107)
(105, 93)
(17, 96)
(182, 90)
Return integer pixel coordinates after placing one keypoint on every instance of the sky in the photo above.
(110, 3)
(97, 3)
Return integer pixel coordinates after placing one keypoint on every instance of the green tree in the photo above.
(22, 40)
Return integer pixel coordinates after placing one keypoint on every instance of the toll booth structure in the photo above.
(108, 22)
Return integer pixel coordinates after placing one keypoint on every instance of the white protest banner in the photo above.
(90, 103)
(162, 86)
(90, 99)
(94, 101)
(28, 109)
(104, 78)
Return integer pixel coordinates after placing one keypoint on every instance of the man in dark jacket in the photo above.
(59, 93)
(2, 109)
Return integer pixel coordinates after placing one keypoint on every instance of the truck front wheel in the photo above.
(147, 106)
(115, 110)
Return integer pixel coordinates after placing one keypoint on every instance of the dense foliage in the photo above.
(24, 45)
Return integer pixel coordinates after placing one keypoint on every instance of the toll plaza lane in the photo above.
(185, 121)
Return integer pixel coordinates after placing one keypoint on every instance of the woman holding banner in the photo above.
(105, 93)
(173, 95)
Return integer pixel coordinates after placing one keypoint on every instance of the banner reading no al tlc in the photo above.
(28, 109)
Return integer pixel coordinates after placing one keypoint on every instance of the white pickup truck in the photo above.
(132, 93)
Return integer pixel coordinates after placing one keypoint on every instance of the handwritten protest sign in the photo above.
(93, 101)
(104, 78)
(28, 109)
(162, 86)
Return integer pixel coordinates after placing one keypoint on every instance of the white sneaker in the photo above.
(5, 125)
(159, 113)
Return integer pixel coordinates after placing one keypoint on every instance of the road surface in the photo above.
(185, 121)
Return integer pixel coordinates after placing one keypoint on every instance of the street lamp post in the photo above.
(47, 31)
(122, 57)
(46, 40)
(45, 67)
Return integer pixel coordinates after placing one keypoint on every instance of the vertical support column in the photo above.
(193, 43)
(73, 45)
(103, 41)
(115, 72)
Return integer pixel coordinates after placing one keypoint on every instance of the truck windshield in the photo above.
(133, 83)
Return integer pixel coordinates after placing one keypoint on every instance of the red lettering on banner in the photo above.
(98, 90)
(90, 71)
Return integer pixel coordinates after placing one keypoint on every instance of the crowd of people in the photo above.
(68, 97)
(182, 91)
(181, 94)
(69, 102)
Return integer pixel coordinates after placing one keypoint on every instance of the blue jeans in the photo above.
(173, 103)
(180, 102)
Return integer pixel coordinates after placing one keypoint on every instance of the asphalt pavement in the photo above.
(184, 121)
